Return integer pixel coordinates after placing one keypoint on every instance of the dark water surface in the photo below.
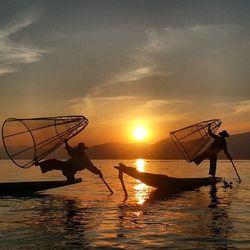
(86, 216)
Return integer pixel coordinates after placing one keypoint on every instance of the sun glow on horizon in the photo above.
(140, 133)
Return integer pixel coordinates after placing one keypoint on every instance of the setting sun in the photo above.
(140, 133)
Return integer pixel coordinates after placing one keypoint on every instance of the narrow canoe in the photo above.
(28, 188)
(166, 182)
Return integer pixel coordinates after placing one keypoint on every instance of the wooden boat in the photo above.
(165, 182)
(28, 188)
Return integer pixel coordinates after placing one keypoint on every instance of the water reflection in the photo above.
(220, 224)
(63, 220)
(141, 193)
(199, 217)
(161, 195)
(199, 214)
(140, 165)
(141, 189)
(83, 217)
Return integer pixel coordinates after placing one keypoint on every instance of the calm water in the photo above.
(86, 216)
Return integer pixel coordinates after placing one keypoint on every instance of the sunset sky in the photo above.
(159, 64)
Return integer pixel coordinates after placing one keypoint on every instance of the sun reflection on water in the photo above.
(141, 189)
(140, 164)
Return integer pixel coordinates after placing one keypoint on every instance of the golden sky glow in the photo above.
(158, 61)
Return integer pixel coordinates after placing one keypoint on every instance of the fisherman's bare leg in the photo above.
(51, 164)
(54, 164)
(69, 172)
(213, 163)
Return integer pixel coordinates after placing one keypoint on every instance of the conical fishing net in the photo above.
(28, 139)
(194, 139)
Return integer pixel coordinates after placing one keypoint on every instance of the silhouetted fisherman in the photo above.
(78, 161)
(211, 153)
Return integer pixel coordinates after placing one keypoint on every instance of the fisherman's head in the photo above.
(224, 133)
(81, 146)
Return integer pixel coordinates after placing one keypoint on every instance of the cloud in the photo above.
(169, 40)
(134, 75)
(90, 103)
(160, 55)
(234, 108)
(156, 103)
(101, 99)
(141, 103)
(16, 26)
(162, 110)
(205, 52)
(5, 70)
(187, 57)
(114, 109)
(125, 77)
(14, 54)
(242, 107)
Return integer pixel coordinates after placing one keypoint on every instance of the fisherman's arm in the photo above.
(68, 148)
(93, 169)
(211, 133)
(87, 163)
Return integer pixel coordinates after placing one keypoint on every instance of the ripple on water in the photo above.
(85, 215)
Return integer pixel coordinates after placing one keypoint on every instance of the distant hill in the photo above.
(238, 145)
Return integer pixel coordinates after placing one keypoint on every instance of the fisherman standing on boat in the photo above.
(211, 153)
(78, 161)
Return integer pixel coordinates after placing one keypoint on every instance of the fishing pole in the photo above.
(107, 185)
(236, 171)
(123, 185)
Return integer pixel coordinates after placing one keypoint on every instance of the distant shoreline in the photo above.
(238, 146)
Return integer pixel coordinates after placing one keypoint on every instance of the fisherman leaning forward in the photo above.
(212, 152)
(78, 161)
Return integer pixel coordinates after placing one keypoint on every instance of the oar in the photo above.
(236, 170)
(123, 185)
(107, 185)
